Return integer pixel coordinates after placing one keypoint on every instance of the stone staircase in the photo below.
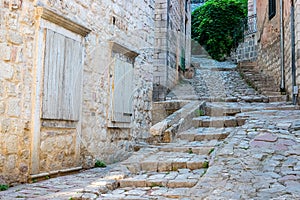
(163, 170)
(170, 169)
(263, 83)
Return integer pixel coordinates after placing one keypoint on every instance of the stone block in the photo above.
(164, 166)
(194, 164)
(14, 38)
(150, 166)
(2, 107)
(5, 52)
(157, 182)
(11, 163)
(11, 142)
(178, 165)
(6, 71)
(187, 136)
(13, 107)
(133, 182)
(230, 123)
(182, 183)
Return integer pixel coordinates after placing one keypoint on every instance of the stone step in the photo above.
(247, 65)
(218, 122)
(271, 93)
(252, 99)
(161, 193)
(221, 110)
(211, 136)
(194, 146)
(181, 178)
(278, 98)
(263, 87)
(166, 161)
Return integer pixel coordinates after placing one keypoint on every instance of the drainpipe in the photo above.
(294, 88)
(282, 82)
(167, 44)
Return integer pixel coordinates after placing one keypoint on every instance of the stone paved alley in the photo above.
(239, 148)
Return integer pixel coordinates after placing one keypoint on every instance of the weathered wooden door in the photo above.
(57, 118)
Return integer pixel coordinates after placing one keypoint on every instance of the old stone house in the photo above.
(276, 43)
(278, 23)
(172, 44)
(76, 82)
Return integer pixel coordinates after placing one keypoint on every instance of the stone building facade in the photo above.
(172, 44)
(275, 43)
(76, 81)
(247, 49)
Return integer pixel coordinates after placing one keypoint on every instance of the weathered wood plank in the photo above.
(123, 75)
(60, 71)
(62, 77)
(77, 79)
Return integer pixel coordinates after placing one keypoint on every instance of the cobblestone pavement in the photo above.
(216, 81)
(260, 160)
(254, 153)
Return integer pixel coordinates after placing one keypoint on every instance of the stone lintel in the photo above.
(123, 50)
(57, 19)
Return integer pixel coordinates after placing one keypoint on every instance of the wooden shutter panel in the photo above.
(122, 92)
(72, 80)
(62, 77)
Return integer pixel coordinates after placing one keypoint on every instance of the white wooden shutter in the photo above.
(122, 91)
(62, 77)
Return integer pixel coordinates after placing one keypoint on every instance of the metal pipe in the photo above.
(293, 53)
(167, 44)
(282, 81)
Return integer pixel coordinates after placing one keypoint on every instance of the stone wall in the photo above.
(269, 53)
(172, 44)
(30, 145)
(287, 48)
(16, 76)
(247, 49)
(268, 37)
(297, 33)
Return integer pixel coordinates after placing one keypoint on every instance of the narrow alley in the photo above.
(234, 143)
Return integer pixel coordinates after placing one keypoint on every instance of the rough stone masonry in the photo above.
(76, 83)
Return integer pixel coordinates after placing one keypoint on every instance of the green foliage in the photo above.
(99, 163)
(211, 150)
(201, 112)
(205, 164)
(190, 151)
(3, 187)
(217, 25)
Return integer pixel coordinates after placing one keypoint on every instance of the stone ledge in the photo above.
(179, 121)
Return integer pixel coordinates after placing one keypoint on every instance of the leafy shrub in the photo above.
(3, 187)
(217, 26)
(99, 163)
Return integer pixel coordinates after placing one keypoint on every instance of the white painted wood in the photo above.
(122, 92)
(62, 78)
